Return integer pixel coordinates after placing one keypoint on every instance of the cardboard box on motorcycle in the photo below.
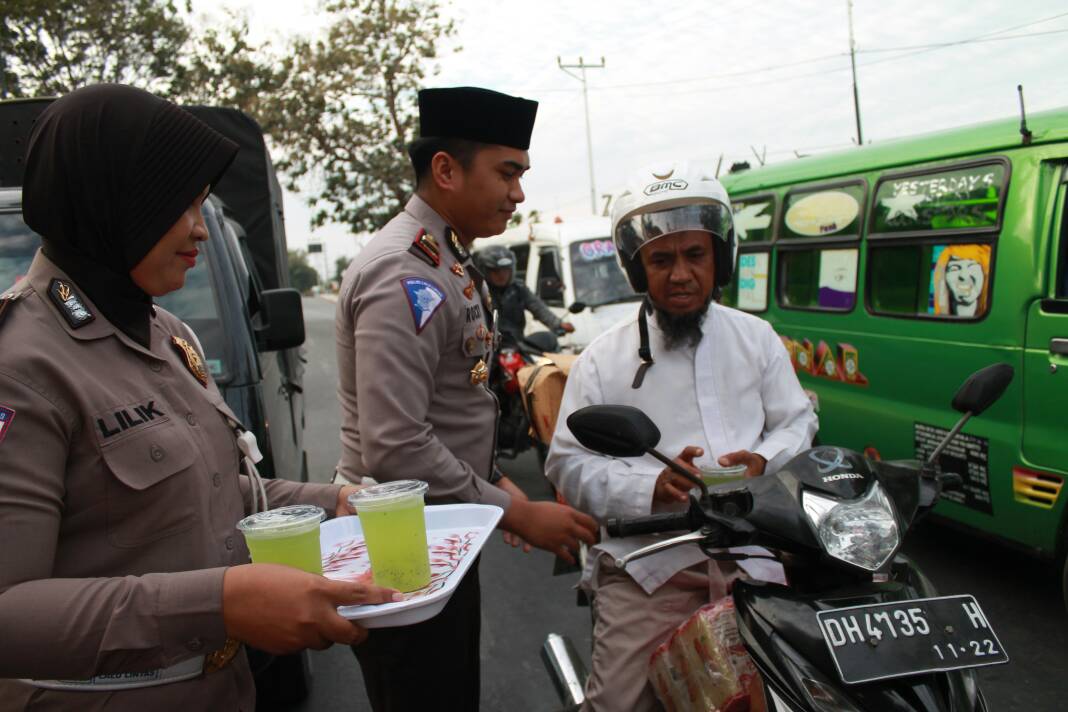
(542, 388)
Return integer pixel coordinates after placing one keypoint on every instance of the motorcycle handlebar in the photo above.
(653, 524)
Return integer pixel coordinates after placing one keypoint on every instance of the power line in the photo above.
(909, 51)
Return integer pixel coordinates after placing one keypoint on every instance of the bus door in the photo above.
(1039, 480)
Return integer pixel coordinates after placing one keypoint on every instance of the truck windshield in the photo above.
(194, 304)
(596, 275)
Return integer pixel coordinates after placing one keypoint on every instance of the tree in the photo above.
(346, 108)
(302, 276)
(55, 46)
(340, 265)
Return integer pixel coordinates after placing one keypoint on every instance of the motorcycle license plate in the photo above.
(886, 640)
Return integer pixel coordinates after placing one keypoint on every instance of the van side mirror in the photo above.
(577, 307)
(983, 388)
(282, 320)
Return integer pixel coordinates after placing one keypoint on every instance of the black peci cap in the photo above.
(476, 114)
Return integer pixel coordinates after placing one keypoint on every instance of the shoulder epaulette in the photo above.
(425, 247)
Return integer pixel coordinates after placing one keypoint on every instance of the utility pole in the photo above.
(853, 62)
(582, 67)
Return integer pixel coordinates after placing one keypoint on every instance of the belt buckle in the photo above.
(218, 659)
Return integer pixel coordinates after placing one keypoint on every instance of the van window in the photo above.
(753, 218)
(818, 279)
(748, 289)
(949, 281)
(824, 212)
(18, 245)
(966, 198)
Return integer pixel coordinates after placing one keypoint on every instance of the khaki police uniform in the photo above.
(119, 495)
(413, 346)
(414, 343)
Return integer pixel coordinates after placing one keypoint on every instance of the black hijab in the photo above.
(109, 170)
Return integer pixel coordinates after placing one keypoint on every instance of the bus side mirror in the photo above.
(282, 320)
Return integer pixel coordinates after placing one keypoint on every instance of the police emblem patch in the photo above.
(424, 298)
(457, 269)
(69, 303)
(7, 416)
(193, 362)
(458, 248)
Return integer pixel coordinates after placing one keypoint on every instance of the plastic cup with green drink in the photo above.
(287, 535)
(394, 527)
(713, 475)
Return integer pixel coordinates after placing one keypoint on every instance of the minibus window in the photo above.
(824, 279)
(968, 198)
(930, 280)
(753, 218)
(748, 289)
(831, 211)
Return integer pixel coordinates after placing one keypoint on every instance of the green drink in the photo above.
(721, 475)
(394, 528)
(287, 535)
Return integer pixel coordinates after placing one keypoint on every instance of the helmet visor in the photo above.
(634, 232)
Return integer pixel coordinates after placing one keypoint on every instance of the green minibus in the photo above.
(893, 271)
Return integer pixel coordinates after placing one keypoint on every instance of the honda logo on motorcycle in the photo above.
(843, 476)
(660, 186)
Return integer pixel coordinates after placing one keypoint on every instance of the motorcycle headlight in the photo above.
(861, 531)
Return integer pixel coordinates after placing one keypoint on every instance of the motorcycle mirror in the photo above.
(577, 307)
(616, 430)
(983, 388)
(622, 431)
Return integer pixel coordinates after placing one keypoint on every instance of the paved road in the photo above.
(522, 602)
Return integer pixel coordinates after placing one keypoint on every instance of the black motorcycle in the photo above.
(859, 627)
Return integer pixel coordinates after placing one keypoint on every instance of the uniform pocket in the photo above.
(153, 492)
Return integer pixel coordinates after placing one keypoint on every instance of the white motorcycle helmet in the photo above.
(669, 198)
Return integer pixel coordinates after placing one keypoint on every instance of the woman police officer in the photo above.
(123, 583)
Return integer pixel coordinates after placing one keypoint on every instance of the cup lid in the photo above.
(727, 471)
(388, 493)
(282, 521)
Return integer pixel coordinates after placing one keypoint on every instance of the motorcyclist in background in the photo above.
(512, 298)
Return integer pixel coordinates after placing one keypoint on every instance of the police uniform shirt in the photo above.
(412, 336)
(119, 495)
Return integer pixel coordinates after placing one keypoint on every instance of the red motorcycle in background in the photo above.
(516, 352)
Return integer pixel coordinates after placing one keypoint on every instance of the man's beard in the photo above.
(682, 329)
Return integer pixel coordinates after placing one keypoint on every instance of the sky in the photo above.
(701, 79)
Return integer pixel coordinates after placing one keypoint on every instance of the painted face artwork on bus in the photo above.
(959, 280)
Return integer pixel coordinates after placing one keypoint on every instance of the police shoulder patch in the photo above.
(7, 416)
(424, 299)
(69, 303)
(425, 247)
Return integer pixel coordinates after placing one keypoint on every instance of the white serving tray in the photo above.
(455, 534)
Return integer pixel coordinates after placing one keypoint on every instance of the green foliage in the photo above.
(302, 276)
(339, 110)
(348, 108)
(340, 265)
(54, 46)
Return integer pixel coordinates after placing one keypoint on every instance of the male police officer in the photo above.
(414, 341)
